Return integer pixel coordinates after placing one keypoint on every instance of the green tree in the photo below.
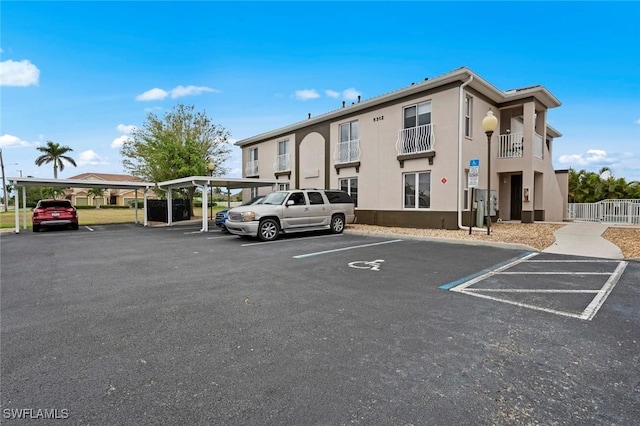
(98, 193)
(590, 187)
(56, 154)
(179, 145)
(52, 192)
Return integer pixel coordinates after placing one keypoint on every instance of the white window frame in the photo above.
(282, 157)
(283, 187)
(468, 110)
(418, 106)
(348, 181)
(417, 189)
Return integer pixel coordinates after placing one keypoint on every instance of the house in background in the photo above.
(114, 197)
(405, 156)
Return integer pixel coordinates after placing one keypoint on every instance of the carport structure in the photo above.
(23, 183)
(202, 182)
(206, 182)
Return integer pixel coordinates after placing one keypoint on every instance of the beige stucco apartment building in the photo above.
(111, 196)
(405, 156)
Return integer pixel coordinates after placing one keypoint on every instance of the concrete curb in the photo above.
(511, 246)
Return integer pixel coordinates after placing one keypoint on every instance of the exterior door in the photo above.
(516, 197)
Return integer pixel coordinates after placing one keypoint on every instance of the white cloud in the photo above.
(332, 93)
(157, 94)
(153, 109)
(91, 158)
(22, 73)
(181, 91)
(126, 128)
(306, 94)
(119, 141)
(591, 157)
(638, 121)
(154, 94)
(10, 140)
(350, 94)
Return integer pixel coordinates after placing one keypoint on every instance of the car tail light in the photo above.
(36, 212)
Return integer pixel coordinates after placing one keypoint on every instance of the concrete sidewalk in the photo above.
(584, 239)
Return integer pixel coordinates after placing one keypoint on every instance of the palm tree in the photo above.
(98, 194)
(54, 153)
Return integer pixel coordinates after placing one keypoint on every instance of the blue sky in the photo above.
(83, 73)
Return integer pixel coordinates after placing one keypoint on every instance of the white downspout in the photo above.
(460, 168)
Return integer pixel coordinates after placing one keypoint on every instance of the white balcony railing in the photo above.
(538, 145)
(251, 168)
(415, 140)
(511, 145)
(282, 163)
(347, 152)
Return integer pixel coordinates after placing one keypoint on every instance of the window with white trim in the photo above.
(468, 106)
(417, 190)
(350, 186)
(283, 187)
(417, 115)
(283, 158)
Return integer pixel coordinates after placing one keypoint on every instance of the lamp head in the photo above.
(211, 166)
(489, 123)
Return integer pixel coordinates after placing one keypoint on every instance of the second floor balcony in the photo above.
(347, 152)
(251, 168)
(416, 142)
(282, 163)
(512, 145)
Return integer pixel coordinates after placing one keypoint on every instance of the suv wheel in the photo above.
(337, 224)
(268, 230)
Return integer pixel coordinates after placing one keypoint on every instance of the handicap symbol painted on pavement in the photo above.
(373, 265)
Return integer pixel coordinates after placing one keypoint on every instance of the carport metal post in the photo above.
(144, 207)
(24, 207)
(169, 207)
(16, 208)
(205, 203)
(135, 199)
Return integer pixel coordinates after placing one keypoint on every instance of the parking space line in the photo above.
(522, 305)
(573, 261)
(555, 273)
(285, 241)
(463, 285)
(302, 256)
(520, 290)
(597, 301)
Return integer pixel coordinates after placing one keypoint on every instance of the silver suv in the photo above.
(296, 210)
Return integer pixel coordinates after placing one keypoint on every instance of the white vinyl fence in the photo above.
(606, 211)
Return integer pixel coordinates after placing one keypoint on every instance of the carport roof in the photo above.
(230, 183)
(79, 183)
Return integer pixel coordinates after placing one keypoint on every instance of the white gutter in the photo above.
(460, 169)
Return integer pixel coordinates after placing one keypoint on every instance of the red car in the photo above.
(54, 213)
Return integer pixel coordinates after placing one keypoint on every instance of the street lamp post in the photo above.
(211, 166)
(489, 124)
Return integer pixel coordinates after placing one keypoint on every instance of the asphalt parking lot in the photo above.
(122, 324)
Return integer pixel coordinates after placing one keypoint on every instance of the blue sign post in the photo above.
(474, 172)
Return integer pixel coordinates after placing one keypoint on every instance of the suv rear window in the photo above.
(336, 197)
(54, 204)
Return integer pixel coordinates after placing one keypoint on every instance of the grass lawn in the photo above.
(92, 216)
